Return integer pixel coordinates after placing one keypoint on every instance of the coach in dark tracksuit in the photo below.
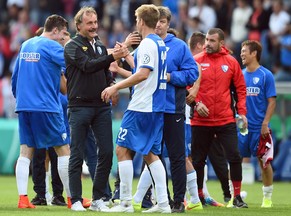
(87, 65)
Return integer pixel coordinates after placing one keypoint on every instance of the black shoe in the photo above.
(239, 203)
(178, 207)
(59, 201)
(147, 202)
(38, 201)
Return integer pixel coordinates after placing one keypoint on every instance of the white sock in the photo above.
(159, 175)
(230, 187)
(22, 173)
(47, 182)
(268, 191)
(192, 187)
(126, 177)
(143, 185)
(63, 169)
(205, 189)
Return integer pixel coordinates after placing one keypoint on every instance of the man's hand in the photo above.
(114, 67)
(192, 94)
(132, 39)
(109, 93)
(265, 130)
(120, 51)
(245, 120)
(202, 109)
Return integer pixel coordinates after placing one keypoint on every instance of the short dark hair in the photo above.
(254, 46)
(218, 31)
(55, 21)
(196, 37)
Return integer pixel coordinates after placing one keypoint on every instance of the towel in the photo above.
(266, 149)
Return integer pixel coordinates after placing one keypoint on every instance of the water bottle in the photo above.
(240, 124)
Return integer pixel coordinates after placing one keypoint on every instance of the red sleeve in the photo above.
(240, 86)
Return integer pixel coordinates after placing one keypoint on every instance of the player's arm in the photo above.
(63, 84)
(136, 78)
(193, 91)
(121, 71)
(270, 110)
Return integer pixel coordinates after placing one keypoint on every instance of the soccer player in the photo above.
(142, 123)
(261, 103)
(36, 85)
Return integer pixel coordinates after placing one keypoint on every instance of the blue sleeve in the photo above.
(57, 54)
(14, 76)
(270, 86)
(188, 71)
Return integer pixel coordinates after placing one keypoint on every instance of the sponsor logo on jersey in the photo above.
(30, 56)
(253, 91)
(204, 66)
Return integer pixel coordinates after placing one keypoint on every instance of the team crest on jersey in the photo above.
(85, 48)
(224, 68)
(64, 136)
(146, 59)
(256, 80)
(99, 50)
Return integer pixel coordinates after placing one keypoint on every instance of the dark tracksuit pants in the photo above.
(219, 163)
(202, 141)
(174, 138)
(100, 121)
(39, 173)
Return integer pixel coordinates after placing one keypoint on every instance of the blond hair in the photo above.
(149, 13)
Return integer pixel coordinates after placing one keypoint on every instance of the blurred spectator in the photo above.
(13, 8)
(277, 24)
(8, 99)
(40, 9)
(128, 8)
(112, 12)
(238, 30)
(5, 51)
(174, 8)
(205, 13)
(193, 26)
(259, 20)
(258, 26)
(284, 73)
(223, 10)
(21, 30)
(118, 33)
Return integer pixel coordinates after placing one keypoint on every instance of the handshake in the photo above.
(120, 51)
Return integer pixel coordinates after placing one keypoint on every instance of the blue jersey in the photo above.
(150, 94)
(36, 76)
(260, 86)
(184, 71)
